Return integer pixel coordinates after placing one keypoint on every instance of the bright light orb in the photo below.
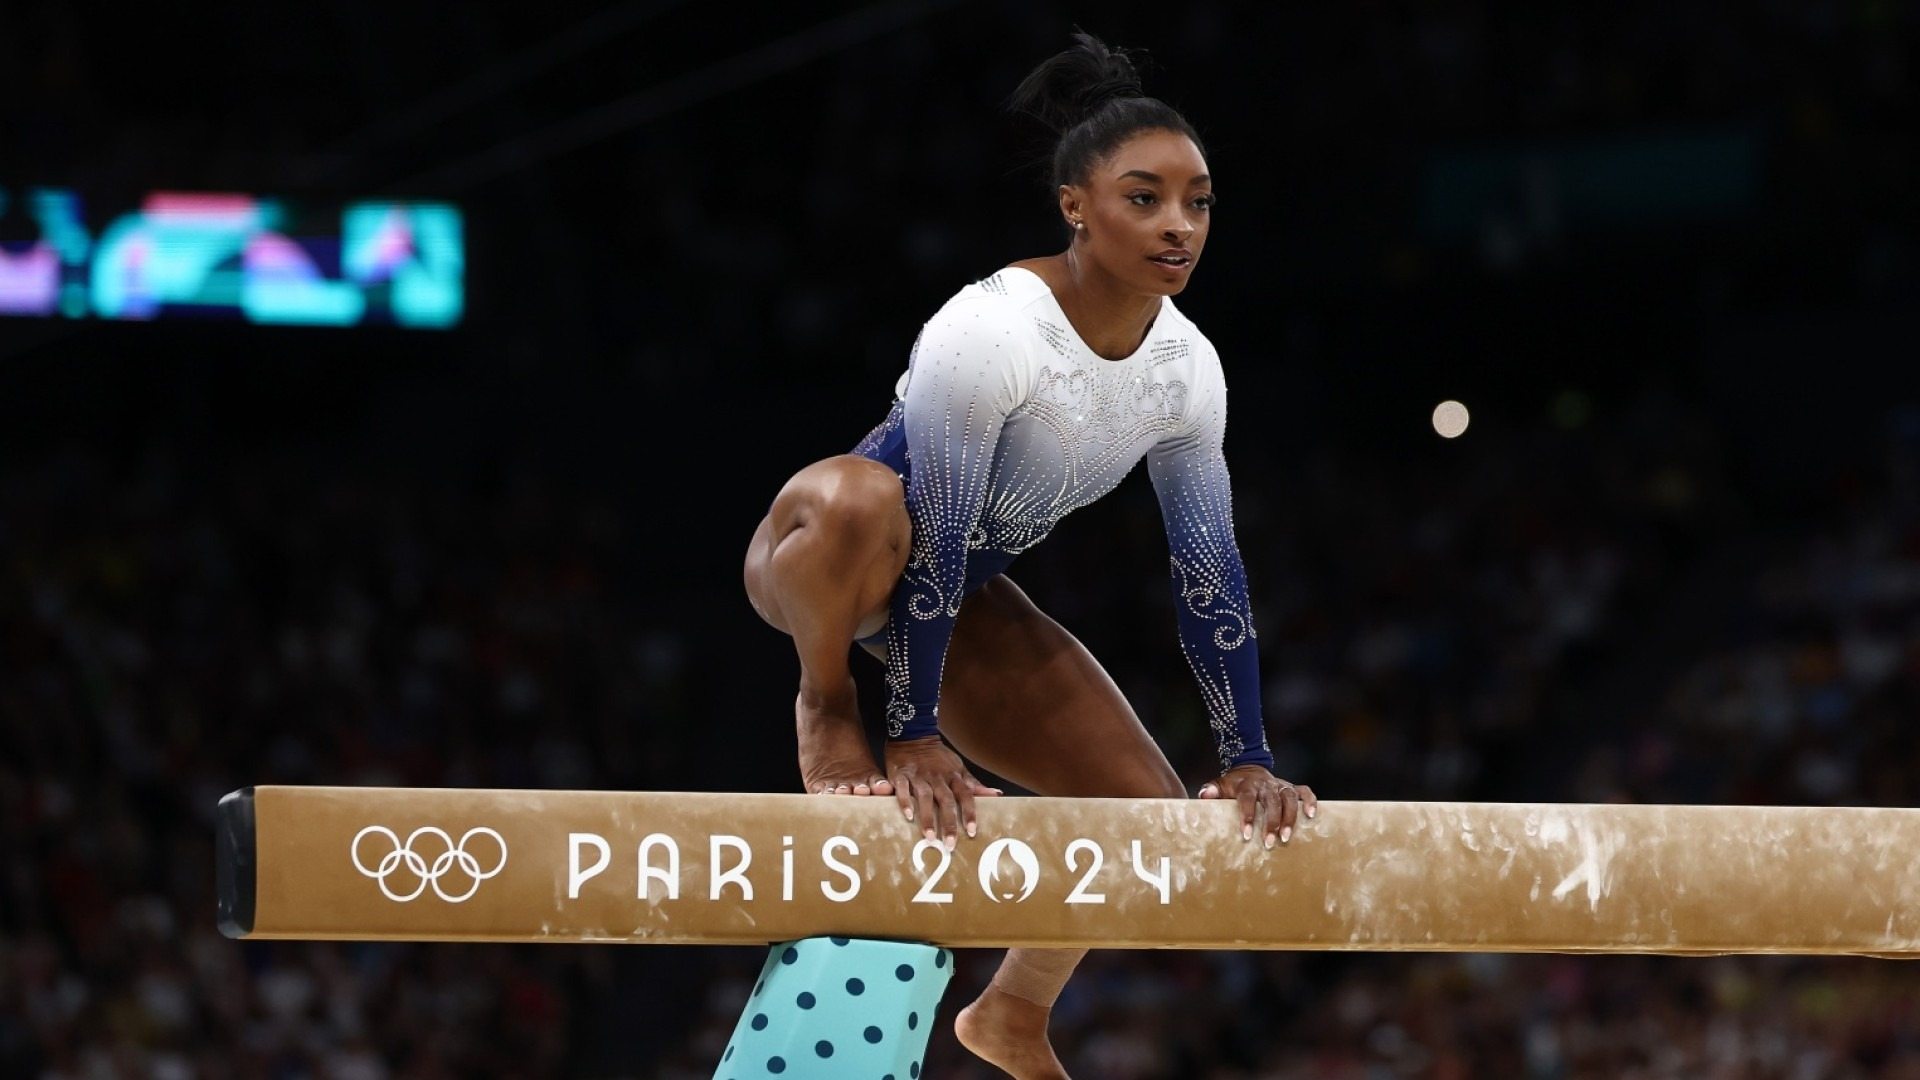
(1449, 419)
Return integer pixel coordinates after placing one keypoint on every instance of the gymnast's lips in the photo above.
(1173, 258)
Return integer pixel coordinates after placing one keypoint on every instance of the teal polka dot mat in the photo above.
(838, 1008)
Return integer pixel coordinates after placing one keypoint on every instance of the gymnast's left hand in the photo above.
(1262, 794)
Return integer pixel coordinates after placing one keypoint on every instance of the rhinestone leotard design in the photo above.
(1004, 423)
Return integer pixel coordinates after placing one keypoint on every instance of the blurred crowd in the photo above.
(164, 646)
(169, 639)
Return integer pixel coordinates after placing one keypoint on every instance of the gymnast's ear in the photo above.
(1073, 207)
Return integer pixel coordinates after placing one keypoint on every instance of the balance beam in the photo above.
(675, 868)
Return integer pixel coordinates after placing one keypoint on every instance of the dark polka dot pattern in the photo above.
(823, 1000)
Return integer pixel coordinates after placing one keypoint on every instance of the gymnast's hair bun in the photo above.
(1070, 86)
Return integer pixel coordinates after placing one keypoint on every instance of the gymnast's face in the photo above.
(1151, 195)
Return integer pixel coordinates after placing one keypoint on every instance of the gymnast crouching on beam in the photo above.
(1029, 394)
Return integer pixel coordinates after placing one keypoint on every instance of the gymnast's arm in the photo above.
(1189, 472)
(963, 382)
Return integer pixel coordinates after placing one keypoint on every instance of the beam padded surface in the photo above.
(662, 867)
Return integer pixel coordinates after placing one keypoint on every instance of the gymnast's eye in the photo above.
(1204, 202)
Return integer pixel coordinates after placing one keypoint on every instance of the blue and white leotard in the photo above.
(1004, 423)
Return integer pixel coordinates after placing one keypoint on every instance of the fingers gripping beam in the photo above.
(662, 867)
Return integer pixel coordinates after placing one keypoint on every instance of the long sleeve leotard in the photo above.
(1005, 422)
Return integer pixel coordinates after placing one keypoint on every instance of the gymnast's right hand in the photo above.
(934, 787)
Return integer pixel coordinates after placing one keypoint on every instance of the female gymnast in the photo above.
(1029, 394)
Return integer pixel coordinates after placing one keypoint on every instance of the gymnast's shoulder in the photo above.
(992, 320)
(1008, 298)
(1181, 337)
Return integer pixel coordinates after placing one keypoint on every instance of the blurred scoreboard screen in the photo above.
(225, 256)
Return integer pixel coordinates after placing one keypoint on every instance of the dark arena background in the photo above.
(440, 473)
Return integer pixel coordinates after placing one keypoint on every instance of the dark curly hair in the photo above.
(1090, 98)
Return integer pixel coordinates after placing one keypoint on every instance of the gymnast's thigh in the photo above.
(1024, 698)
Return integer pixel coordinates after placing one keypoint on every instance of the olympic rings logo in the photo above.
(414, 863)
